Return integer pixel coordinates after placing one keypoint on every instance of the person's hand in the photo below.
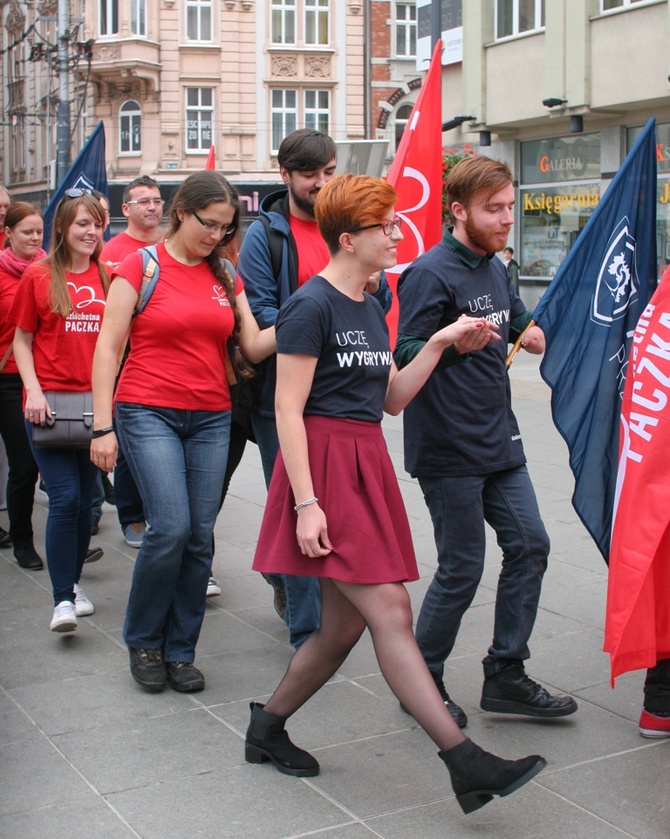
(372, 285)
(104, 451)
(312, 531)
(533, 340)
(468, 334)
(37, 408)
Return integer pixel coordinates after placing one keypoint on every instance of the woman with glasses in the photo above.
(24, 229)
(57, 311)
(334, 508)
(173, 417)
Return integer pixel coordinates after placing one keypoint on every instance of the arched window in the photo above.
(401, 117)
(130, 128)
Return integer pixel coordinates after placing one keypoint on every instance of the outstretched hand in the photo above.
(469, 334)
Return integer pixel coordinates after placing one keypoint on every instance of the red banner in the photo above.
(637, 626)
(210, 164)
(416, 175)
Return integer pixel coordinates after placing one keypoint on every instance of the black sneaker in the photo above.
(184, 676)
(94, 554)
(511, 691)
(28, 558)
(457, 713)
(148, 669)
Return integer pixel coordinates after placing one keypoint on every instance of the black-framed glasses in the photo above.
(387, 226)
(227, 230)
(146, 202)
(76, 192)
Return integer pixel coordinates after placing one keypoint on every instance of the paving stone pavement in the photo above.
(83, 751)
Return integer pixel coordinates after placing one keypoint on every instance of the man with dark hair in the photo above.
(281, 251)
(143, 207)
(463, 444)
(512, 266)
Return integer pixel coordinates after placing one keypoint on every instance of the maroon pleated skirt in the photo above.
(357, 489)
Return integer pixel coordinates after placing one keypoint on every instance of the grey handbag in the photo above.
(71, 422)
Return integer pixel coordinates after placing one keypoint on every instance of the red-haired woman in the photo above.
(334, 508)
(57, 312)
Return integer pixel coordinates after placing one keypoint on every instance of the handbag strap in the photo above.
(6, 356)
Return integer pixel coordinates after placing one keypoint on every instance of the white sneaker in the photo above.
(134, 533)
(65, 617)
(213, 588)
(82, 605)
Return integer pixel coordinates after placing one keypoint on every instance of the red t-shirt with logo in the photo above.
(178, 342)
(313, 253)
(8, 285)
(63, 347)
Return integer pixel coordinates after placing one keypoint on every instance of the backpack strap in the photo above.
(150, 276)
(275, 243)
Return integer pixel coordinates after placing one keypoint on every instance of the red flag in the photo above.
(637, 623)
(210, 166)
(416, 175)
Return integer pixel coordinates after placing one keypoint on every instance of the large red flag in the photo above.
(637, 624)
(210, 165)
(416, 175)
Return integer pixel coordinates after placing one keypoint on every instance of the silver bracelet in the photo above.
(305, 503)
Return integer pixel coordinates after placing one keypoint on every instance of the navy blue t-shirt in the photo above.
(461, 421)
(349, 338)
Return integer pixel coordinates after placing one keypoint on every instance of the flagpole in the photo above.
(517, 345)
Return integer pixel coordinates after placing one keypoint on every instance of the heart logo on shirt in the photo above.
(220, 295)
(83, 296)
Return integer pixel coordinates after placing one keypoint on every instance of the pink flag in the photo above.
(637, 623)
(210, 166)
(416, 175)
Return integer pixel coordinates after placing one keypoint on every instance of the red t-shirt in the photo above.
(313, 253)
(178, 343)
(8, 285)
(62, 346)
(119, 247)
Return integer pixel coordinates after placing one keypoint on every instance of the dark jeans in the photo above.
(459, 507)
(303, 595)
(22, 466)
(657, 687)
(129, 507)
(69, 477)
(178, 460)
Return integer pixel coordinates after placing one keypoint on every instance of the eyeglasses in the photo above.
(76, 192)
(227, 230)
(387, 226)
(146, 202)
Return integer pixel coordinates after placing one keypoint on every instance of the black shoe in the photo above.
(267, 740)
(148, 669)
(5, 539)
(108, 486)
(184, 676)
(457, 713)
(94, 554)
(476, 775)
(95, 525)
(511, 692)
(28, 558)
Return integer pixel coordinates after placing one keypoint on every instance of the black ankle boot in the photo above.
(267, 740)
(476, 775)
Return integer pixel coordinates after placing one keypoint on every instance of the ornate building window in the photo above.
(405, 30)
(199, 20)
(138, 17)
(401, 118)
(284, 105)
(130, 128)
(283, 21)
(317, 110)
(108, 17)
(316, 22)
(199, 118)
(291, 109)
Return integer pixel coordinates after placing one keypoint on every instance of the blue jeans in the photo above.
(303, 595)
(458, 507)
(129, 507)
(69, 477)
(178, 460)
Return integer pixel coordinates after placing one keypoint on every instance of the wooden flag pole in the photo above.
(517, 345)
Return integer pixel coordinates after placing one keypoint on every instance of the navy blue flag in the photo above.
(588, 314)
(89, 171)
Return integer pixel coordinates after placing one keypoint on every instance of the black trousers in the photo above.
(657, 687)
